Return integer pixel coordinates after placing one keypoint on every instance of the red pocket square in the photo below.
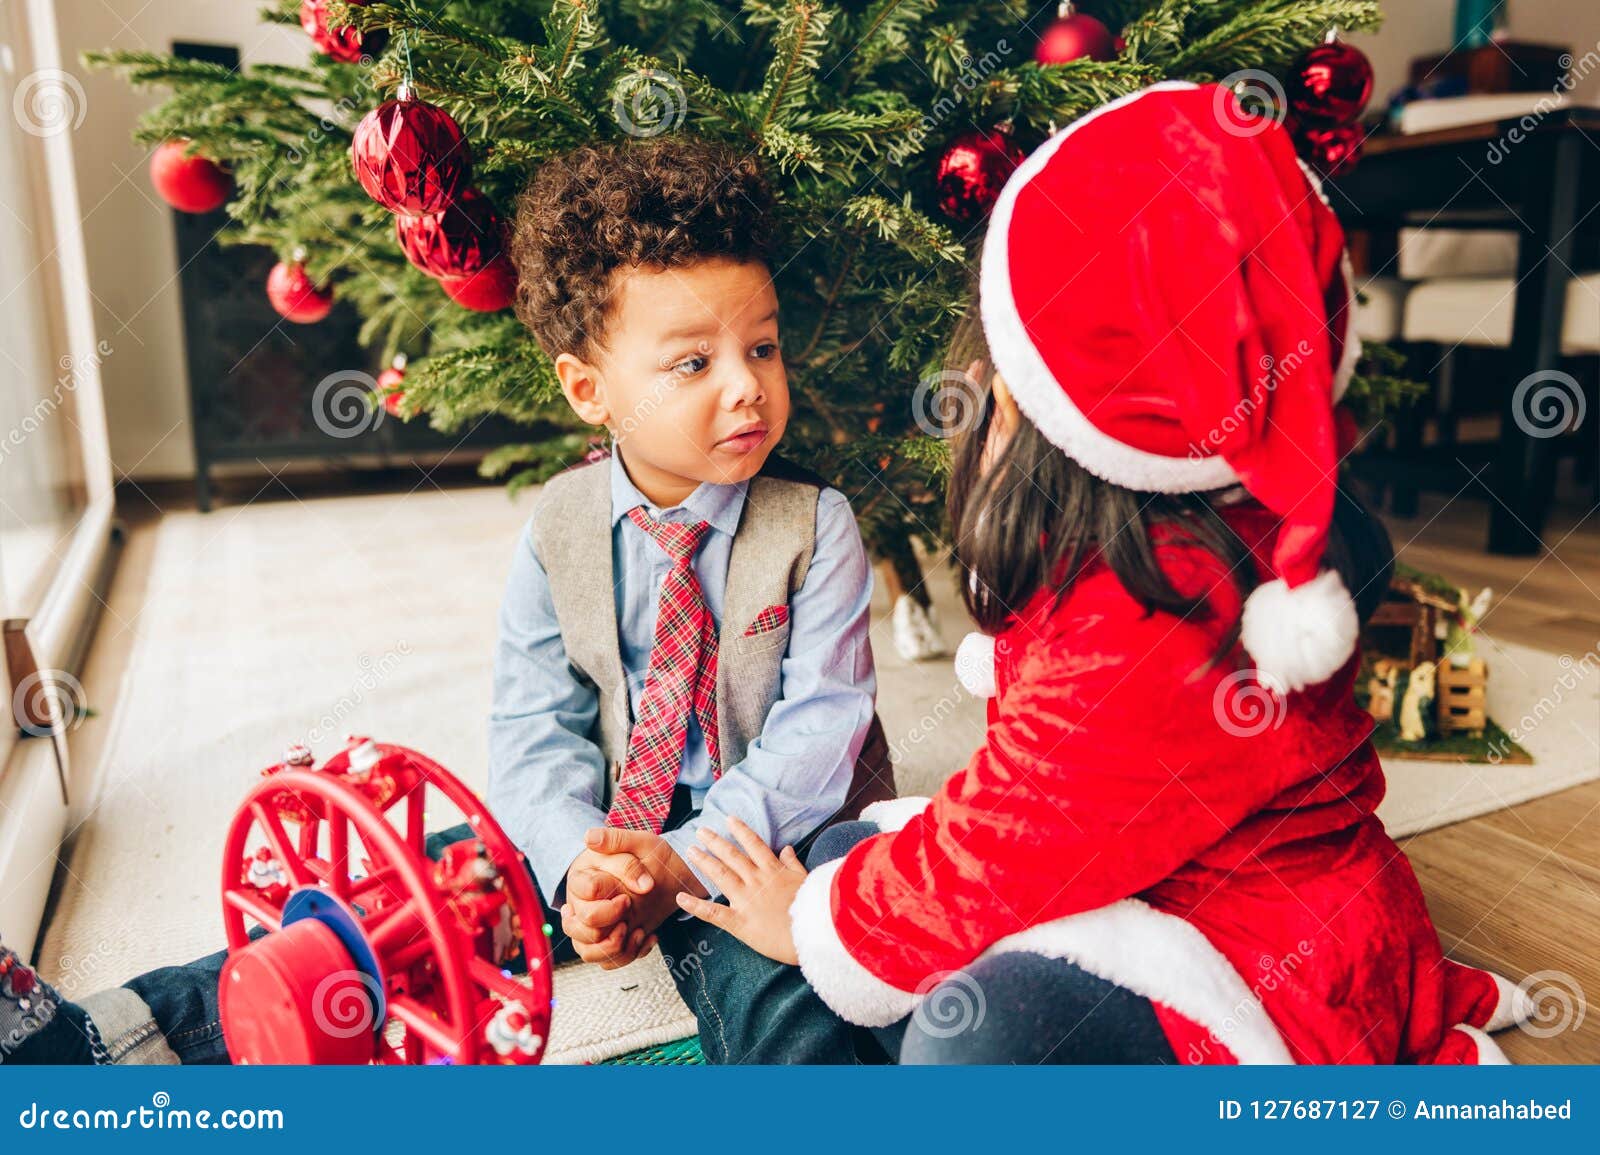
(767, 620)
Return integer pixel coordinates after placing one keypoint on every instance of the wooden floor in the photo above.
(1519, 890)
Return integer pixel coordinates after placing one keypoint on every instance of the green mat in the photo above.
(683, 1053)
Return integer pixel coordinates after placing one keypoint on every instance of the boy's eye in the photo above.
(766, 349)
(689, 366)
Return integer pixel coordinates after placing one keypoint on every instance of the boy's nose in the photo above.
(742, 387)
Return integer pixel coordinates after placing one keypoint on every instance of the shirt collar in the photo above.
(720, 505)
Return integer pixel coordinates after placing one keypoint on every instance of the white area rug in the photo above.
(1549, 703)
(290, 621)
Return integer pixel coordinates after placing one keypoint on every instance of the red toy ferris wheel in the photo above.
(374, 952)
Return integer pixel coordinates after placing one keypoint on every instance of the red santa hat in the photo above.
(1166, 293)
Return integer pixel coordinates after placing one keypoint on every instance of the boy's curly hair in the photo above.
(667, 202)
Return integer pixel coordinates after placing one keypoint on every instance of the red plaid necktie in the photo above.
(682, 677)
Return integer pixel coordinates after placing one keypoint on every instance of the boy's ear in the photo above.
(580, 383)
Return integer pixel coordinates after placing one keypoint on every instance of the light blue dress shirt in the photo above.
(546, 772)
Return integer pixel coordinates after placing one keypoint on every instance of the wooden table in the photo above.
(1542, 181)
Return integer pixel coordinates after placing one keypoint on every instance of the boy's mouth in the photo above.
(746, 439)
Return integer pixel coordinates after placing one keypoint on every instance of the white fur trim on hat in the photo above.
(893, 813)
(1299, 636)
(850, 989)
(975, 665)
(1167, 960)
(1029, 379)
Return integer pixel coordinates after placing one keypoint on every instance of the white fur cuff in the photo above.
(893, 813)
(853, 992)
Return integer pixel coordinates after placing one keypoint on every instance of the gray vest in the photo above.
(768, 563)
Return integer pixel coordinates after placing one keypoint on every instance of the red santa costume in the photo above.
(1166, 296)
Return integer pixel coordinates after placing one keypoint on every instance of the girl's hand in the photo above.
(759, 886)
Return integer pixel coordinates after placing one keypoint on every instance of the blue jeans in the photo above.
(1008, 1008)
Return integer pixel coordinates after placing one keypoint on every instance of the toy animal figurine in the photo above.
(1416, 706)
(374, 953)
(1380, 689)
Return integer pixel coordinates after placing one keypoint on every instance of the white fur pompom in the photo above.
(975, 665)
(1301, 636)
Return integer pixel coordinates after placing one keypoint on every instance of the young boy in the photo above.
(684, 634)
(684, 631)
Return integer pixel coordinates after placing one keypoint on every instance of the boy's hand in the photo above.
(760, 887)
(669, 872)
(602, 890)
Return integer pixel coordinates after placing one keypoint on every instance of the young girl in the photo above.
(1166, 849)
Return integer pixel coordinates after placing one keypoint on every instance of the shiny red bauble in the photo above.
(390, 383)
(410, 156)
(341, 44)
(1074, 36)
(456, 242)
(1330, 84)
(490, 289)
(294, 296)
(1332, 149)
(190, 184)
(972, 171)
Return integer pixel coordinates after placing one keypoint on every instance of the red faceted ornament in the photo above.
(294, 296)
(190, 184)
(972, 172)
(410, 156)
(457, 242)
(489, 290)
(1330, 84)
(389, 384)
(341, 44)
(1332, 149)
(1072, 35)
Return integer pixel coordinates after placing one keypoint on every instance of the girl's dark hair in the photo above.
(1037, 517)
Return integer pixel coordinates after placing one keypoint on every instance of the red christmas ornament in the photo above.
(457, 242)
(972, 171)
(342, 44)
(190, 184)
(294, 296)
(389, 382)
(1072, 35)
(1333, 149)
(410, 156)
(1330, 84)
(489, 290)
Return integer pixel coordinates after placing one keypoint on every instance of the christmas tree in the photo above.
(885, 125)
